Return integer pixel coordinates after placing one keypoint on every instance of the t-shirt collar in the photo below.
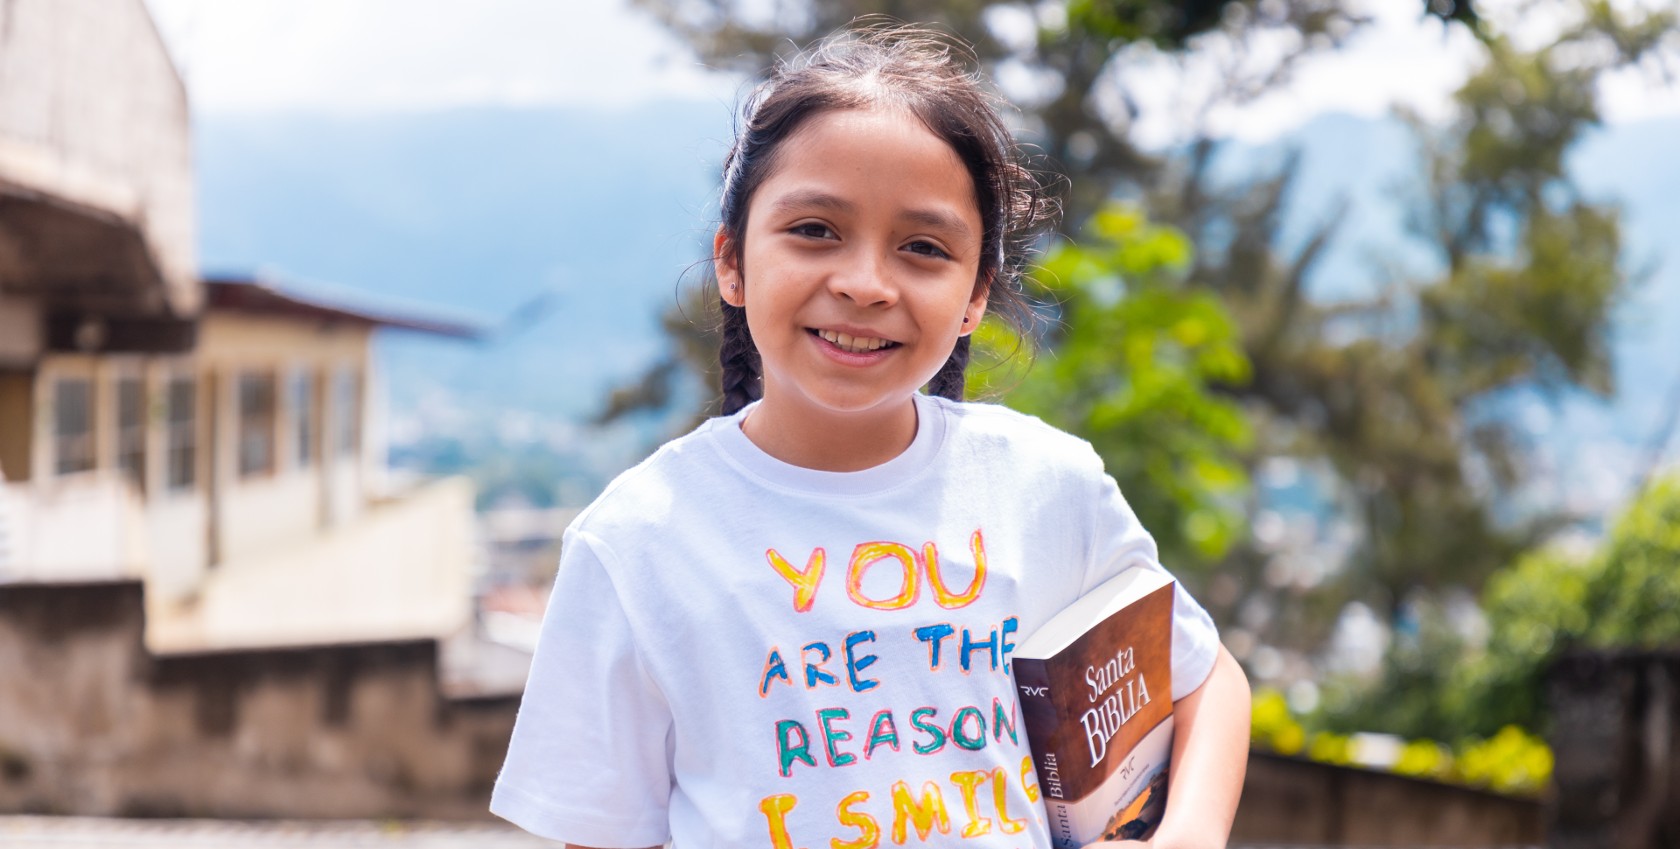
(740, 452)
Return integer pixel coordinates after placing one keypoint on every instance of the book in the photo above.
(1096, 704)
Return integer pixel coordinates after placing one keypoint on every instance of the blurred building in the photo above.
(216, 440)
(210, 600)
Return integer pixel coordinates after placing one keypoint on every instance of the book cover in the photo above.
(1096, 704)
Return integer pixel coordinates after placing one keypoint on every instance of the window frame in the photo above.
(129, 449)
(347, 419)
(304, 413)
(256, 419)
(180, 436)
(85, 453)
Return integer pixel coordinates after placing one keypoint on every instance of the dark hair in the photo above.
(927, 74)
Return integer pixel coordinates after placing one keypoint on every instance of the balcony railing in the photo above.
(88, 526)
(399, 570)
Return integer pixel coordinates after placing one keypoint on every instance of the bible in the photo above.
(1095, 686)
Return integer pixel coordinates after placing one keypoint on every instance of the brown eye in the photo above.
(812, 230)
(926, 248)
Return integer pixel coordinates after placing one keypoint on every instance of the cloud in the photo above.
(409, 55)
(414, 55)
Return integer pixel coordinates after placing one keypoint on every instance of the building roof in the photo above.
(260, 297)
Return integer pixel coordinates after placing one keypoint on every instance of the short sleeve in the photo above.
(1120, 542)
(589, 760)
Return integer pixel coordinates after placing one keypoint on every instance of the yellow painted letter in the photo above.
(942, 593)
(775, 810)
(927, 814)
(970, 782)
(804, 583)
(868, 554)
(871, 830)
(1000, 793)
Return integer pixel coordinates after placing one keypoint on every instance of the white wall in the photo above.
(260, 511)
(92, 111)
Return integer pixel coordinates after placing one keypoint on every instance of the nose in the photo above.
(864, 278)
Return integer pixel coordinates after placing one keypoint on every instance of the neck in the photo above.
(828, 442)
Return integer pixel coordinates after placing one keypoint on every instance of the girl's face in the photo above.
(858, 263)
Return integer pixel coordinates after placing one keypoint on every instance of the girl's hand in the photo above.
(1118, 844)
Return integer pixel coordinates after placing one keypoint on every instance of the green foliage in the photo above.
(1331, 748)
(1075, 47)
(1392, 392)
(1272, 726)
(1425, 759)
(1620, 596)
(1134, 365)
(1510, 760)
(1415, 694)
(1636, 597)
(1534, 609)
(1624, 595)
(1127, 21)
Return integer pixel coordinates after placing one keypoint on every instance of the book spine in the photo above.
(1041, 719)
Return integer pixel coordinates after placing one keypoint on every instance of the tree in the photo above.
(1135, 358)
(1622, 594)
(1388, 394)
(1392, 393)
(1080, 106)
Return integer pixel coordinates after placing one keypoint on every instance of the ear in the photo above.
(975, 311)
(727, 268)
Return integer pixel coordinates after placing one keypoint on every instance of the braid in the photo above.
(741, 380)
(949, 382)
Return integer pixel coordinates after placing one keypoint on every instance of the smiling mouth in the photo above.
(854, 344)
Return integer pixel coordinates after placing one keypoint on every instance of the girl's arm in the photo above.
(1209, 760)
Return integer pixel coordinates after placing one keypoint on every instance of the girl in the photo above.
(793, 626)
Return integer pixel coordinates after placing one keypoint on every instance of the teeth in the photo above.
(853, 344)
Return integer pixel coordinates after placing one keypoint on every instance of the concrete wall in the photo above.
(20, 329)
(1299, 802)
(93, 112)
(1616, 737)
(90, 723)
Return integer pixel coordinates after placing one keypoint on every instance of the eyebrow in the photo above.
(807, 198)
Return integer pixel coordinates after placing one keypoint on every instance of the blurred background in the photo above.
(320, 320)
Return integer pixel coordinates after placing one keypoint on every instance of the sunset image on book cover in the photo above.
(1096, 703)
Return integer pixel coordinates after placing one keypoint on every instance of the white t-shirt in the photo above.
(740, 652)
